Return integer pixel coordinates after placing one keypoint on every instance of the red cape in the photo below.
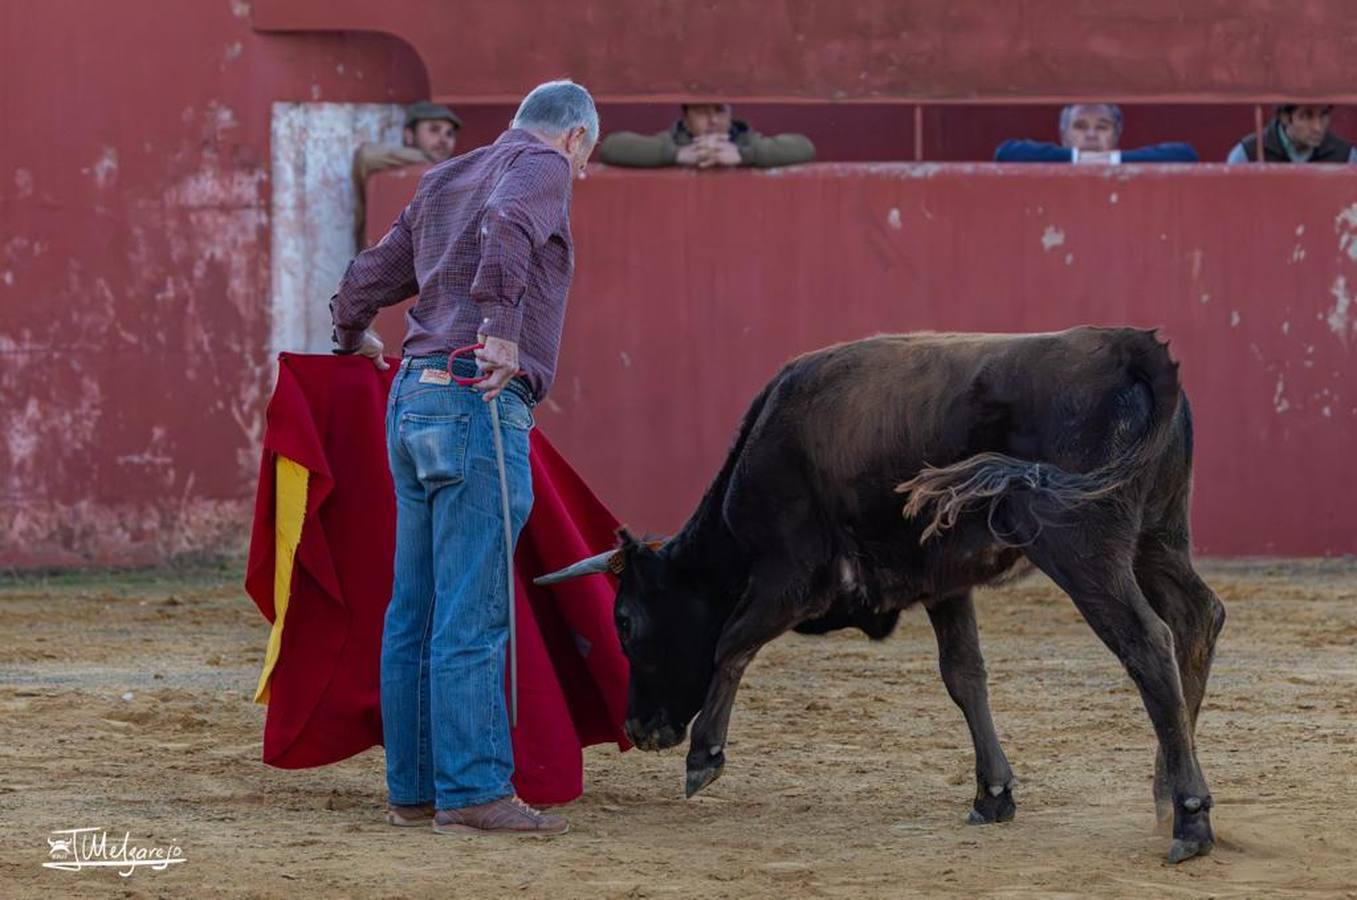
(327, 414)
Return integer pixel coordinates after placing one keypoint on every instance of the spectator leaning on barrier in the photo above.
(706, 136)
(429, 136)
(1091, 133)
(1298, 133)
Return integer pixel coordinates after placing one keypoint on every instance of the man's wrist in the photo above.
(347, 340)
(503, 322)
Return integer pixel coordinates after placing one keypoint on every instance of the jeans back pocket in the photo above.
(437, 446)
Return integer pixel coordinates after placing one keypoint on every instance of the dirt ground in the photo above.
(849, 770)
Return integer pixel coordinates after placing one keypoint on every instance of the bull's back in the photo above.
(874, 412)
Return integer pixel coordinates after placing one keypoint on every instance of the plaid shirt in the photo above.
(486, 239)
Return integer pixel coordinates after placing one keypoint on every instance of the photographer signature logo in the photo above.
(74, 849)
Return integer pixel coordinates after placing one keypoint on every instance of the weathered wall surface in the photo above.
(866, 50)
(134, 265)
(692, 289)
(136, 182)
(314, 206)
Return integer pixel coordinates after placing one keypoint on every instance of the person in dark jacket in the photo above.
(1091, 133)
(1299, 133)
(706, 136)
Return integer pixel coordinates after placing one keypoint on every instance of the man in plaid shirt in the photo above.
(486, 244)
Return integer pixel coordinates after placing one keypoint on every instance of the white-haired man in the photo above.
(1091, 133)
(486, 244)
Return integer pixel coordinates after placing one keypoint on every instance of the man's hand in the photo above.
(1095, 156)
(498, 360)
(689, 154)
(719, 151)
(709, 151)
(372, 348)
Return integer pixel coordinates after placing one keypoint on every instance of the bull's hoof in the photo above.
(1192, 834)
(990, 808)
(703, 769)
(1182, 850)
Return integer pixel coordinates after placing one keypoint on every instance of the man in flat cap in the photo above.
(430, 136)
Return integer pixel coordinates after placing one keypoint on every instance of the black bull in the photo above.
(873, 475)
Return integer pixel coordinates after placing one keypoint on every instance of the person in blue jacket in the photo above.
(1091, 133)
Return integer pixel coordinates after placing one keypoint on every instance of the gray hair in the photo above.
(556, 107)
(1067, 114)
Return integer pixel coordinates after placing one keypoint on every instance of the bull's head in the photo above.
(667, 632)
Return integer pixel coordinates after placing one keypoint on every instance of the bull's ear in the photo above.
(629, 541)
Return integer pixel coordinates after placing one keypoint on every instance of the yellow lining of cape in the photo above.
(289, 511)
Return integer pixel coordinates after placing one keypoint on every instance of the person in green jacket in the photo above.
(706, 137)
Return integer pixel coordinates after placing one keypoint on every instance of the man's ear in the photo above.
(409, 136)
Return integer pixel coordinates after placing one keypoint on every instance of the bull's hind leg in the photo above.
(1196, 616)
(963, 672)
(1102, 584)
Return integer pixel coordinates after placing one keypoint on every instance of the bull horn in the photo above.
(607, 561)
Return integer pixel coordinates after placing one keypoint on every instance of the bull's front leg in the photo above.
(706, 745)
(756, 621)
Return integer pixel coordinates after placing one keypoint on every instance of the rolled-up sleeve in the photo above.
(523, 211)
(381, 275)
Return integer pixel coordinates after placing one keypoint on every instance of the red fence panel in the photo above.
(691, 289)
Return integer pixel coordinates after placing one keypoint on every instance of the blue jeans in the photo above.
(444, 719)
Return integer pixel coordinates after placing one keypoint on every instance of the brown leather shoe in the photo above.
(507, 815)
(409, 816)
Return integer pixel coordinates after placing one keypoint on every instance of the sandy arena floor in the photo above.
(849, 769)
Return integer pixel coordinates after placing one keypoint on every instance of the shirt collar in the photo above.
(518, 135)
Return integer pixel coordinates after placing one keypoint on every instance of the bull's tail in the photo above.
(1044, 490)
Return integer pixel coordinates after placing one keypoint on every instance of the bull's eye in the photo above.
(623, 625)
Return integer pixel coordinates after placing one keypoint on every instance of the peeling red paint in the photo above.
(134, 286)
(135, 261)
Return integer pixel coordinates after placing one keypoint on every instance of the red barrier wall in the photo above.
(134, 266)
(691, 289)
(869, 50)
(135, 226)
